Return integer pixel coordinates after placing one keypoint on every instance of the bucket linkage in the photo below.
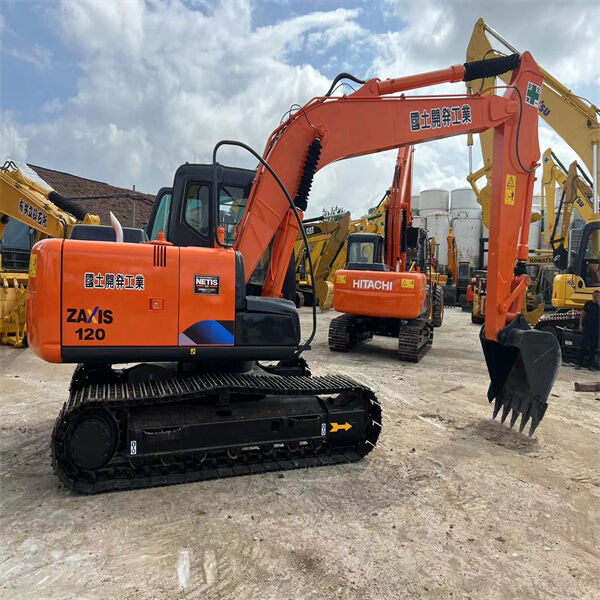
(523, 365)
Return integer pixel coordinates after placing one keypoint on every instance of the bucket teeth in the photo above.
(522, 368)
(535, 421)
(505, 412)
(497, 406)
(524, 418)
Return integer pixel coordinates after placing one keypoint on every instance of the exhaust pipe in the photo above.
(523, 365)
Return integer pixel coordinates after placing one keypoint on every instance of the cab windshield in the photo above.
(361, 252)
(232, 201)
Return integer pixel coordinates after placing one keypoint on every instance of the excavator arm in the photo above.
(372, 119)
(399, 210)
(576, 194)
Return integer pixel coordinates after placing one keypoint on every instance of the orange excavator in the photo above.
(384, 290)
(197, 405)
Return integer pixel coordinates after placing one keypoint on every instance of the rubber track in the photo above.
(338, 334)
(414, 342)
(132, 472)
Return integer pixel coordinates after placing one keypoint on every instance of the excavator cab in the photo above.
(365, 252)
(587, 261)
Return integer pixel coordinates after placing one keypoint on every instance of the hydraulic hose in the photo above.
(303, 346)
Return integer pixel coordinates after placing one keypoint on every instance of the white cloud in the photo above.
(161, 83)
(36, 55)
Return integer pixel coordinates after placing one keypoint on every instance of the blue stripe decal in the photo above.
(211, 332)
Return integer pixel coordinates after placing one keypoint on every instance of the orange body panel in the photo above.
(129, 295)
(44, 301)
(196, 307)
(380, 293)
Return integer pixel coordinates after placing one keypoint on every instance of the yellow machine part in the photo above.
(324, 289)
(13, 313)
(537, 306)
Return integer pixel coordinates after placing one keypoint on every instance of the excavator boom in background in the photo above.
(574, 118)
(326, 240)
(35, 212)
(183, 299)
(558, 214)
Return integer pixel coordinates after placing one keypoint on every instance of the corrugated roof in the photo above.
(99, 198)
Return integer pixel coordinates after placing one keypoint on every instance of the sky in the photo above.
(125, 91)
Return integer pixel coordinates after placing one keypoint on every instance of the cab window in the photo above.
(197, 208)
(361, 252)
(161, 221)
(591, 260)
(232, 201)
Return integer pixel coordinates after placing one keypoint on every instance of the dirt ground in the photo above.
(450, 504)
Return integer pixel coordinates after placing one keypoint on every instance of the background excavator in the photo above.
(383, 290)
(29, 212)
(328, 244)
(579, 263)
(326, 239)
(183, 301)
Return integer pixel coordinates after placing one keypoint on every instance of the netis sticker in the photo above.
(206, 284)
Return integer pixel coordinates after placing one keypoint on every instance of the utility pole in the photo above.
(133, 225)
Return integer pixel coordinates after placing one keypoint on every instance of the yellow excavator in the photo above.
(554, 178)
(581, 260)
(29, 212)
(325, 241)
(574, 118)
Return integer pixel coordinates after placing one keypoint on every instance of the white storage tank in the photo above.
(438, 227)
(433, 201)
(415, 204)
(467, 233)
(419, 222)
(535, 234)
(463, 201)
(535, 229)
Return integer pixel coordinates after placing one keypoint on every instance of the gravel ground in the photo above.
(450, 504)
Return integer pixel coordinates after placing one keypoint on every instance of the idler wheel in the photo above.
(92, 441)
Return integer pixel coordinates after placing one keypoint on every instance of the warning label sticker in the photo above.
(408, 283)
(510, 189)
(206, 284)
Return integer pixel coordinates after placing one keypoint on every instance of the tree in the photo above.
(333, 213)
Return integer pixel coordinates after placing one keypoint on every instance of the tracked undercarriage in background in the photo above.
(414, 337)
